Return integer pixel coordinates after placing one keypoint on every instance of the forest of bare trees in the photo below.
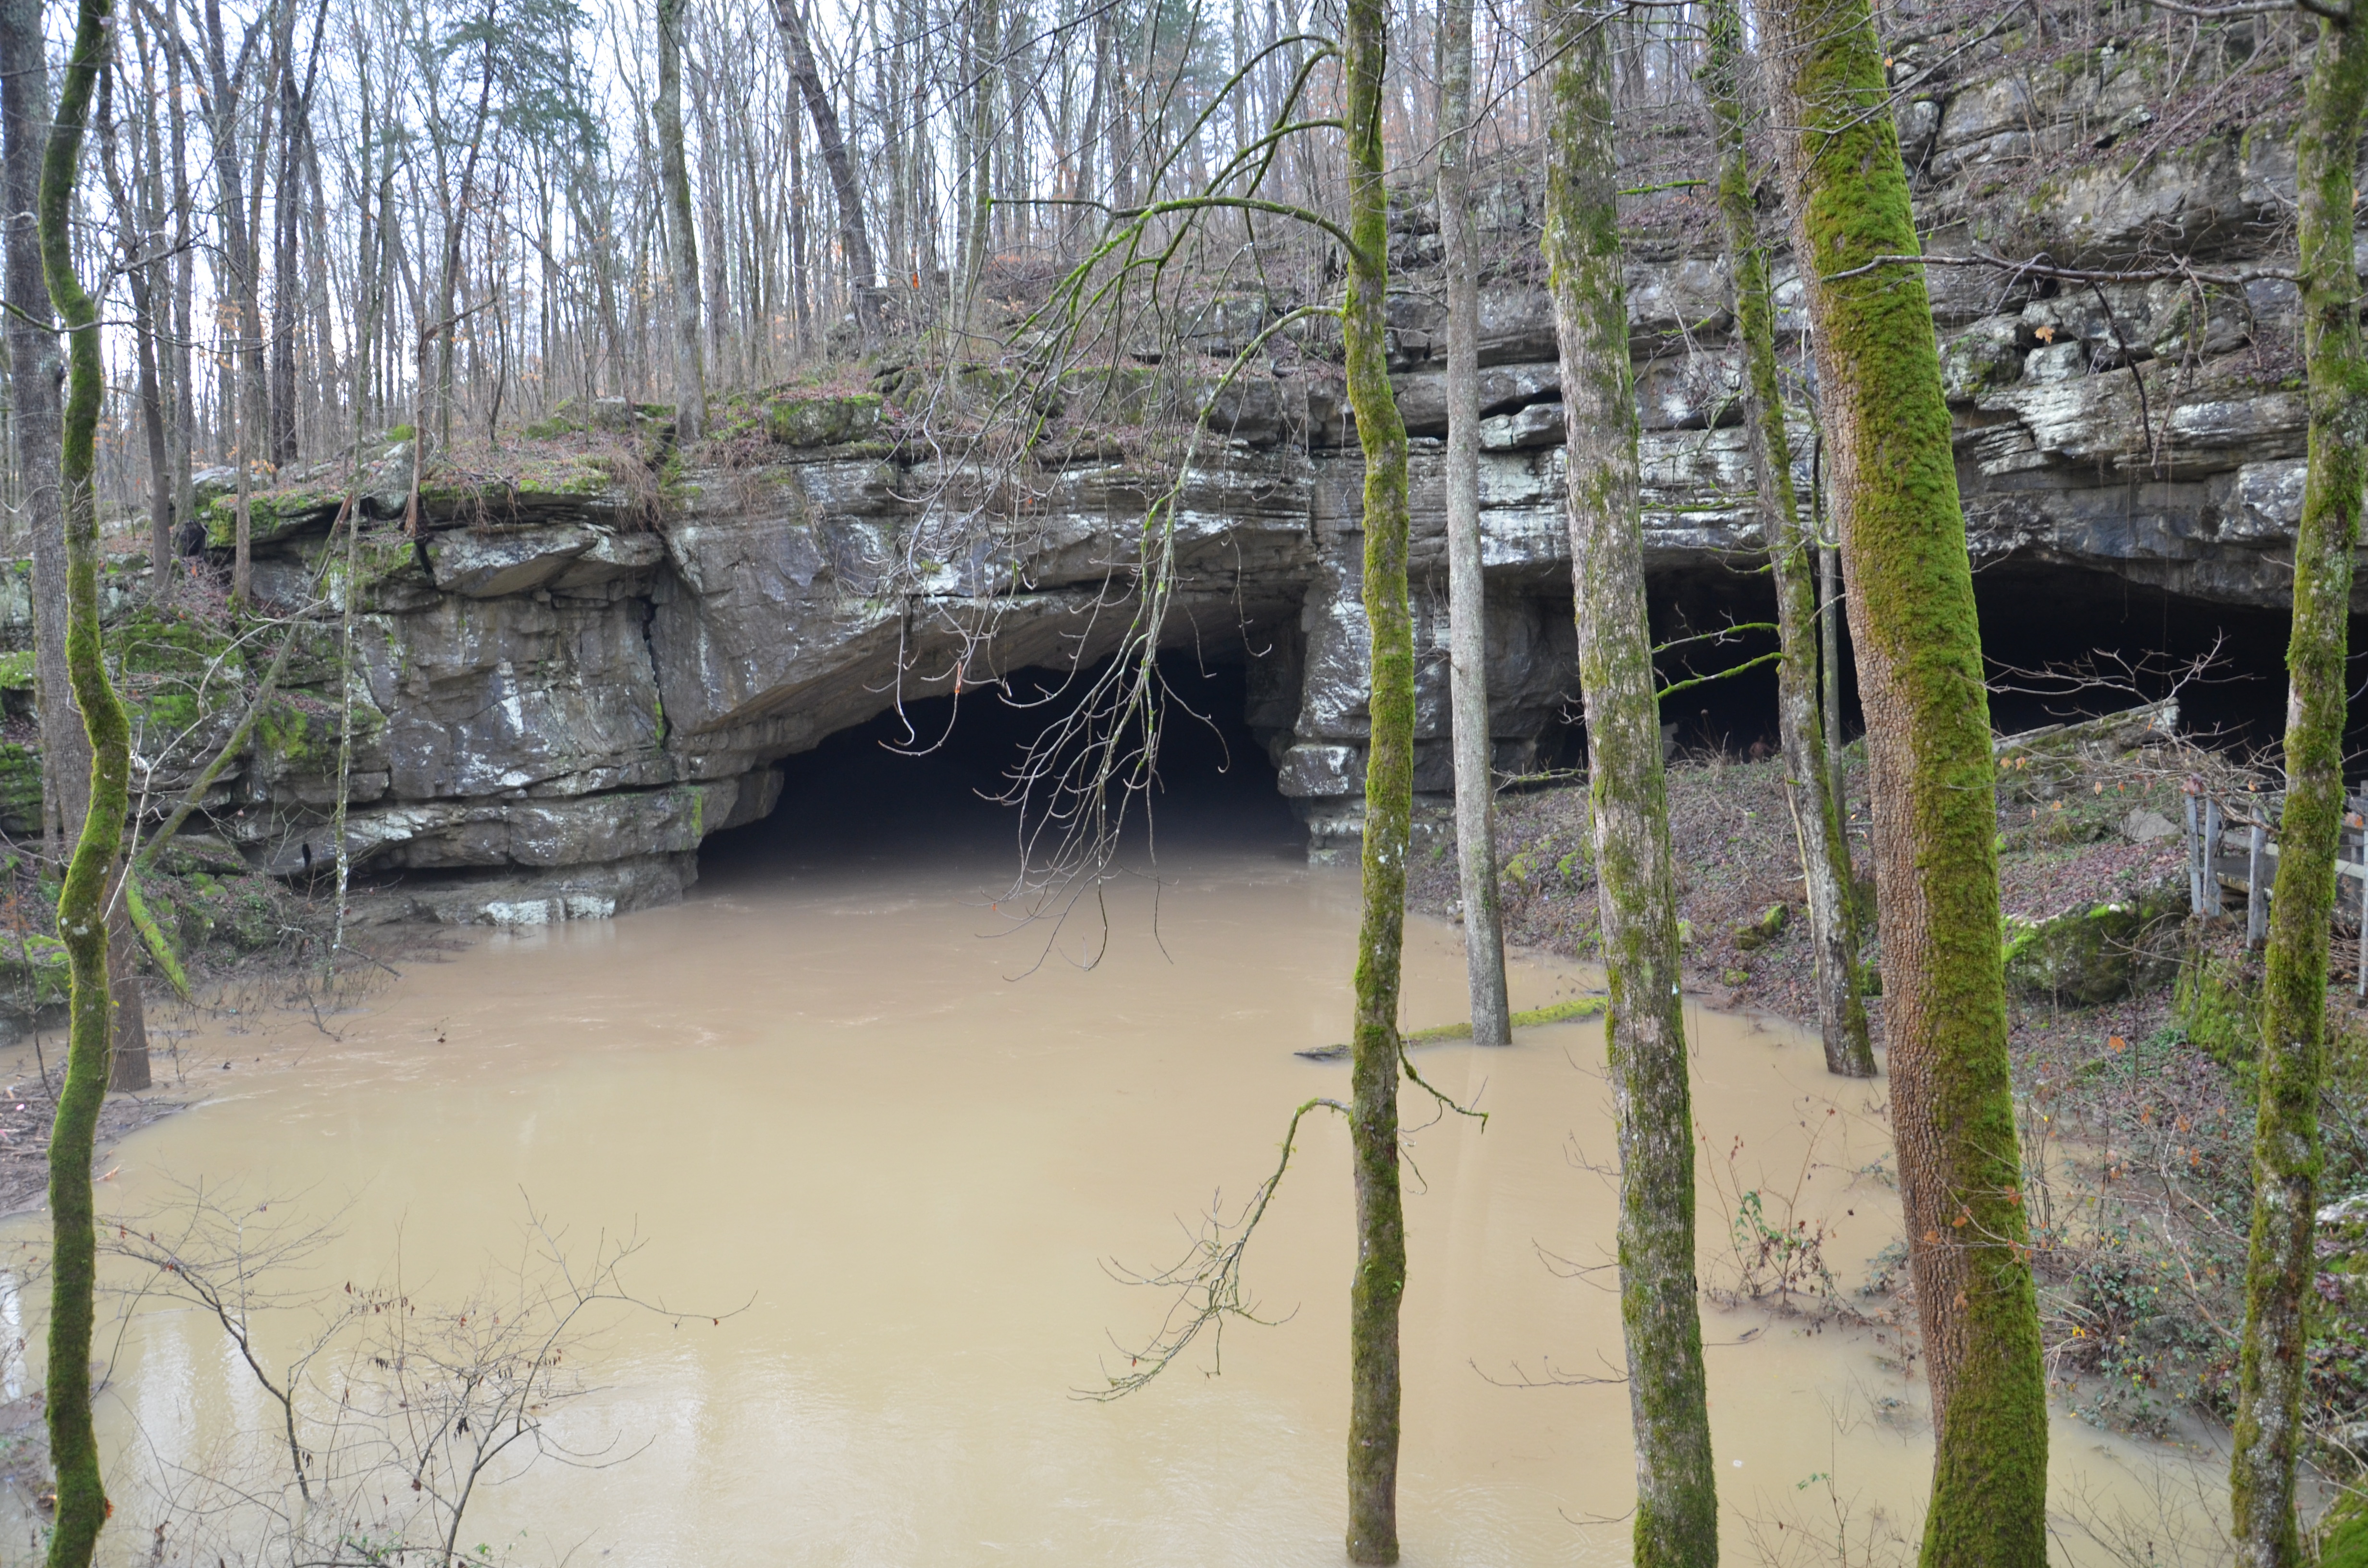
(307, 219)
(280, 240)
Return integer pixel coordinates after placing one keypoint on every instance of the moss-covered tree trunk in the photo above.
(2292, 1061)
(81, 909)
(1677, 1493)
(25, 121)
(1467, 596)
(1808, 781)
(682, 238)
(1919, 659)
(1380, 1279)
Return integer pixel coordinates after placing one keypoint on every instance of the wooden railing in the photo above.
(2232, 848)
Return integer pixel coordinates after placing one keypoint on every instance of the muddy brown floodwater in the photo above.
(834, 1098)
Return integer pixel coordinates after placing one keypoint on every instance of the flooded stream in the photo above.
(843, 1115)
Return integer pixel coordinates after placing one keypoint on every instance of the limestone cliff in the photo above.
(567, 681)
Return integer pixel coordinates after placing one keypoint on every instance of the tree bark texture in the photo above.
(81, 1506)
(979, 173)
(35, 369)
(241, 435)
(2272, 1360)
(1380, 1281)
(682, 241)
(140, 275)
(854, 235)
(1467, 594)
(1834, 934)
(1919, 658)
(1677, 1496)
(127, 1067)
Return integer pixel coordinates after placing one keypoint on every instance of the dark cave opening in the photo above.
(2140, 643)
(2038, 615)
(929, 782)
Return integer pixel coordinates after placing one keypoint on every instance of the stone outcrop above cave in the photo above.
(564, 686)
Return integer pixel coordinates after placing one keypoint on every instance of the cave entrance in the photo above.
(2034, 615)
(926, 782)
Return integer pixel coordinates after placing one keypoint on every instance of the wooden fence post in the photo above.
(2257, 904)
(2195, 860)
(2212, 904)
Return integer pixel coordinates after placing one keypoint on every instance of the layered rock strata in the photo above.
(573, 677)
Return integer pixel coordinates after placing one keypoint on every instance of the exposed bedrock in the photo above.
(558, 699)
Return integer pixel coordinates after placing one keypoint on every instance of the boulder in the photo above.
(492, 565)
(1755, 934)
(824, 421)
(2092, 956)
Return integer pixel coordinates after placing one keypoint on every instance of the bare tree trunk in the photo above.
(1808, 781)
(1089, 186)
(682, 241)
(2274, 1357)
(226, 90)
(854, 237)
(128, 1069)
(185, 402)
(1829, 666)
(1919, 659)
(1677, 1491)
(140, 274)
(1467, 590)
(37, 368)
(242, 560)
(445, 327)
(279, 443)
(977, 237)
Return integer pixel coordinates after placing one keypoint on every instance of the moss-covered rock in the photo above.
(34, 974)
(1987, 357)
(2091, 956)
(2216, 1001)
(575, 416)
(539, 483)
(387, 565)
(177, 670)
(824, 421)
(1760, 932)
(271, 514)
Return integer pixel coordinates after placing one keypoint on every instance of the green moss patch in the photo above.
(1559, 1012)
(2217, 1001)
(824, 421)
(271, 514)
(2088, 957)
(33, 972)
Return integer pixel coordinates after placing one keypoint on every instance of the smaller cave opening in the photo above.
(929, 782)
(2041, 625)
(2140, 641)
(1700, 620)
